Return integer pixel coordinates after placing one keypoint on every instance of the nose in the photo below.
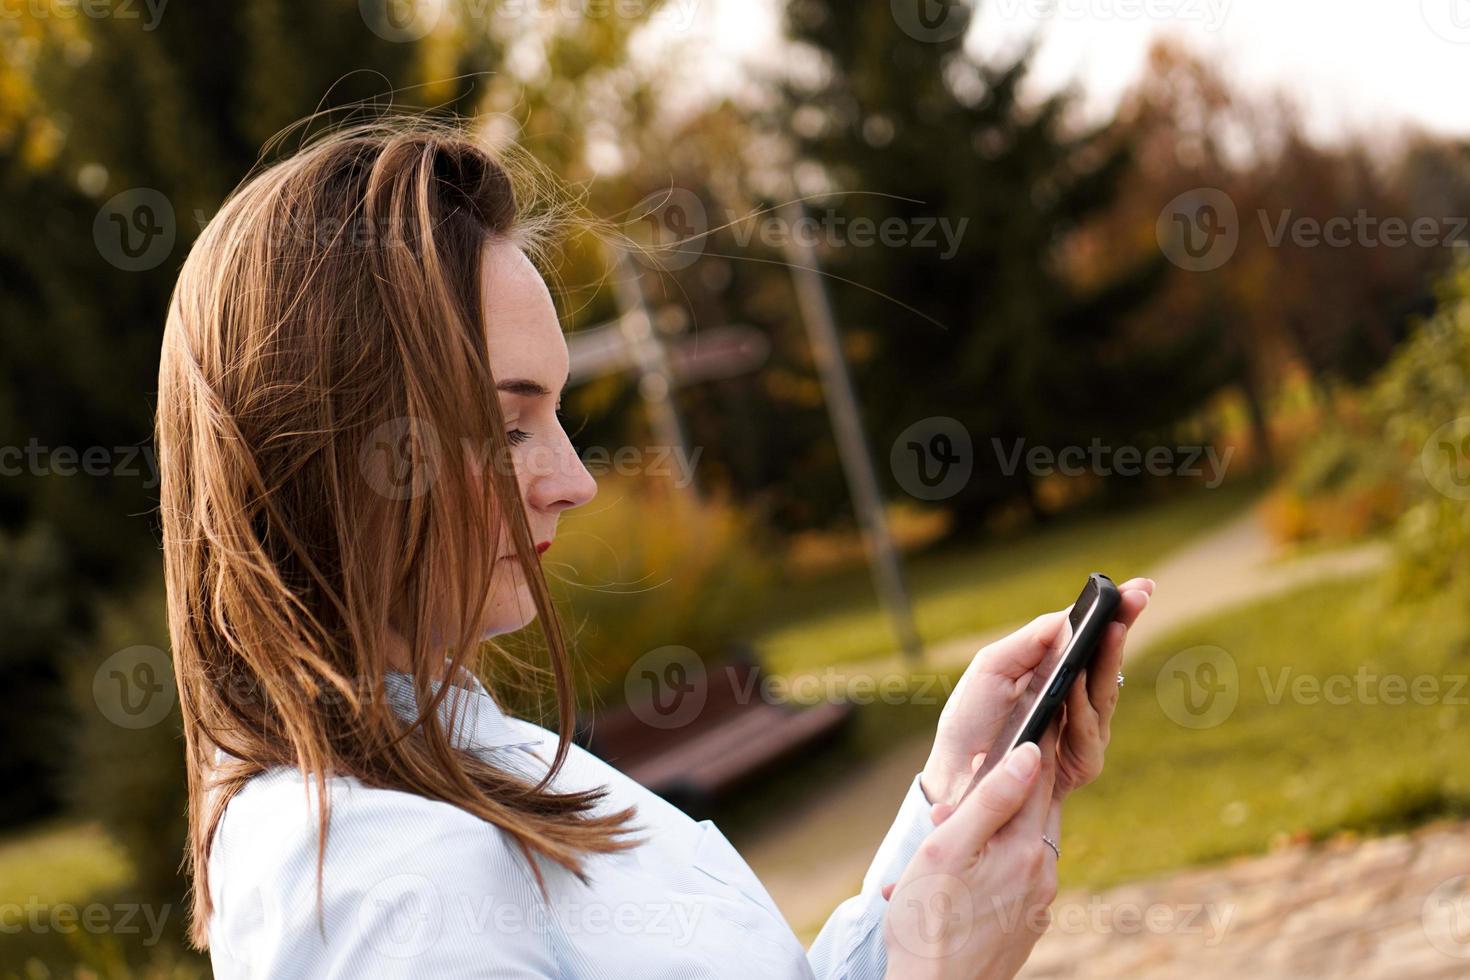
(563, 485)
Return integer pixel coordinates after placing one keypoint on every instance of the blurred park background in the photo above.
(1171, 289)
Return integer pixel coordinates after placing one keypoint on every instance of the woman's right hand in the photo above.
(976, 896)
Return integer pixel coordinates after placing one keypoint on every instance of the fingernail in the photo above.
(1023, 760)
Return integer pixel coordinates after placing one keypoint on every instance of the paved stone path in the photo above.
(1396, 908)
(817, 855)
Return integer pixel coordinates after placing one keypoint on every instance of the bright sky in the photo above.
(1354, 64)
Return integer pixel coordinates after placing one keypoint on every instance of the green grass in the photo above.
(60, 862)
(838, 620)
(1173, 797)
(1281, 765)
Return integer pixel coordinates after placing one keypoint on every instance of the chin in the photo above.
(510, 613)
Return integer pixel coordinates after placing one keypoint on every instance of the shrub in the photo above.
(644, 566)
(1421, 403)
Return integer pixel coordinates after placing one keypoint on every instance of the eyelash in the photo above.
(518, 436)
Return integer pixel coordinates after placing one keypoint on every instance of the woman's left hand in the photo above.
(994, 681)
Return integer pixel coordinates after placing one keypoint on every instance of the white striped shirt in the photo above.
(417, 888)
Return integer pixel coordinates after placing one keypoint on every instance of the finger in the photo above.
(1012, 656)
(1081, 713)
(1030, 818)
(888, 890)
(1102, 680)
(1142, 584)
(999, 796)
(1132, 604)
(941, 812)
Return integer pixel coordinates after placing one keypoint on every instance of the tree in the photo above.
(1004, 338)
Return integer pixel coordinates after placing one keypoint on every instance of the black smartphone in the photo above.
(1075, 646)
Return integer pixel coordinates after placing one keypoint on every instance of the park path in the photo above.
(1387, 908)
(817, 855)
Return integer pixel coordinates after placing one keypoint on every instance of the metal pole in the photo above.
(852, 444)
(655, 377)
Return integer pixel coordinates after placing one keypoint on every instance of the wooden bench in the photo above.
(735, 736)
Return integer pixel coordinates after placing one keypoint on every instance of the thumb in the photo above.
(888, 890)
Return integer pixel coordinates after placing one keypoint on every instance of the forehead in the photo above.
(521, 328)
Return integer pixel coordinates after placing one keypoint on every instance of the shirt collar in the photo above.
(481, 722)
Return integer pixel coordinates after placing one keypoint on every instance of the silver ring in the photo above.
(1053, 845)
(1120, 678)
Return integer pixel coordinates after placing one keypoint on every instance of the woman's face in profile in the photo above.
(529, 357)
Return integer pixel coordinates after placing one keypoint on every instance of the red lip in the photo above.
(541, 548)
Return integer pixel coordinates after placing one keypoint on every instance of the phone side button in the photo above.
(1060, 684)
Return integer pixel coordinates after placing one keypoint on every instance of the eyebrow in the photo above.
(522, 386)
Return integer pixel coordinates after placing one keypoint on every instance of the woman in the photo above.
(361, 465)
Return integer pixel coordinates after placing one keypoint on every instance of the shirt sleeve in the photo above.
(850, 945)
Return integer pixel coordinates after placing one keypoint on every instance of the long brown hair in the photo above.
(324, 386)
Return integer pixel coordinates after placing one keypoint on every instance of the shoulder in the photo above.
(398, 873)
(271, 827)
